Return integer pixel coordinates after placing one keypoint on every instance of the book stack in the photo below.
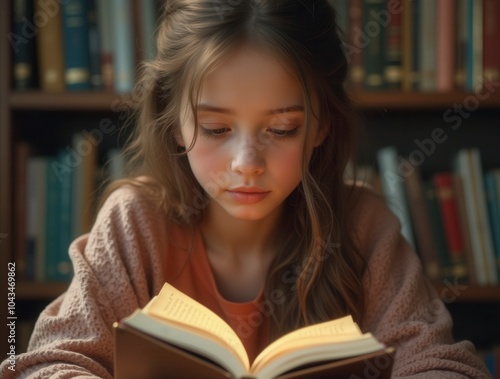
(422, 45)
(452, 218)
(81, 44)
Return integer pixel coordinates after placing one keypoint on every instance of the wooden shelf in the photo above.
(398, 100)
(363, 100)
(72, 101)
(468, 294)
(40, 290)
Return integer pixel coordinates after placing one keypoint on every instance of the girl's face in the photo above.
(248, 152)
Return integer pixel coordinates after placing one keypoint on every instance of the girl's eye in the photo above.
(214, 132)
(284, 133)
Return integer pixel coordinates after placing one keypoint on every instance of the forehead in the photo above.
(253, 76)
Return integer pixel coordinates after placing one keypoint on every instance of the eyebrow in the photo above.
(288, 109)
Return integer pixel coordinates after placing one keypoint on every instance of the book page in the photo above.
(341, 329)
(173, 305)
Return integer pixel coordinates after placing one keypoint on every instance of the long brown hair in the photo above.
(318, 270)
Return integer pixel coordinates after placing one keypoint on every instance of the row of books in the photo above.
(80, 44)
(55, 203)
(423, 45)
(451, 218)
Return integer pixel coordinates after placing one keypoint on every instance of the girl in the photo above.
(238, 199)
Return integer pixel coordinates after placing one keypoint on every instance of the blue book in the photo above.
(76, 44)
(123, 46)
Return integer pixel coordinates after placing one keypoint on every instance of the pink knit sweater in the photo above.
(121, 264)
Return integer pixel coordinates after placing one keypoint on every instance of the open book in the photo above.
(175, 336)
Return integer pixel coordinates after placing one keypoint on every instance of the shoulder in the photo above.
(132, 199)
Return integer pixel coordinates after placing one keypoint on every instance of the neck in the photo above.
(224, 234)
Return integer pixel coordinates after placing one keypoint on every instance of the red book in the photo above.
(448, 207)
(491, 35)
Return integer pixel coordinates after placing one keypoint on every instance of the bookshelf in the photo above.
(399, 116)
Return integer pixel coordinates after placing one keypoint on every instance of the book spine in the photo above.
(374, 53)
(393, 187)
(21, 201)
(148, 24)
(105, 35)
(427, 45)
(491, 34)
(461, 43)
(356, 44)
(94, 50)
(492, 182)
(474, 56)
(445, 37)
(64, 268)
(76, 45)
(52, 212)
(464, 228)
(50, 52)
(407, 19)
(449, 214)
(436, 223)
(393, 69)
(483, 225)
(421, 222)
(22, 40)
(123, 52)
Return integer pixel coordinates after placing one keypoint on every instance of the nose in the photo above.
(248, 157)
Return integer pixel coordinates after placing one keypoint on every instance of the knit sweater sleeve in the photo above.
(117, 268)
(403, 309)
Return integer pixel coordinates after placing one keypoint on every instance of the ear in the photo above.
(321, 134)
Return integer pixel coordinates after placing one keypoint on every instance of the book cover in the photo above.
(177, 337)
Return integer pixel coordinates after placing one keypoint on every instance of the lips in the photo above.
(248, 195)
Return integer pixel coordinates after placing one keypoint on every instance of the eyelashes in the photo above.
(222, 131)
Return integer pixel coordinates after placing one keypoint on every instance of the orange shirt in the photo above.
(192, 274)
